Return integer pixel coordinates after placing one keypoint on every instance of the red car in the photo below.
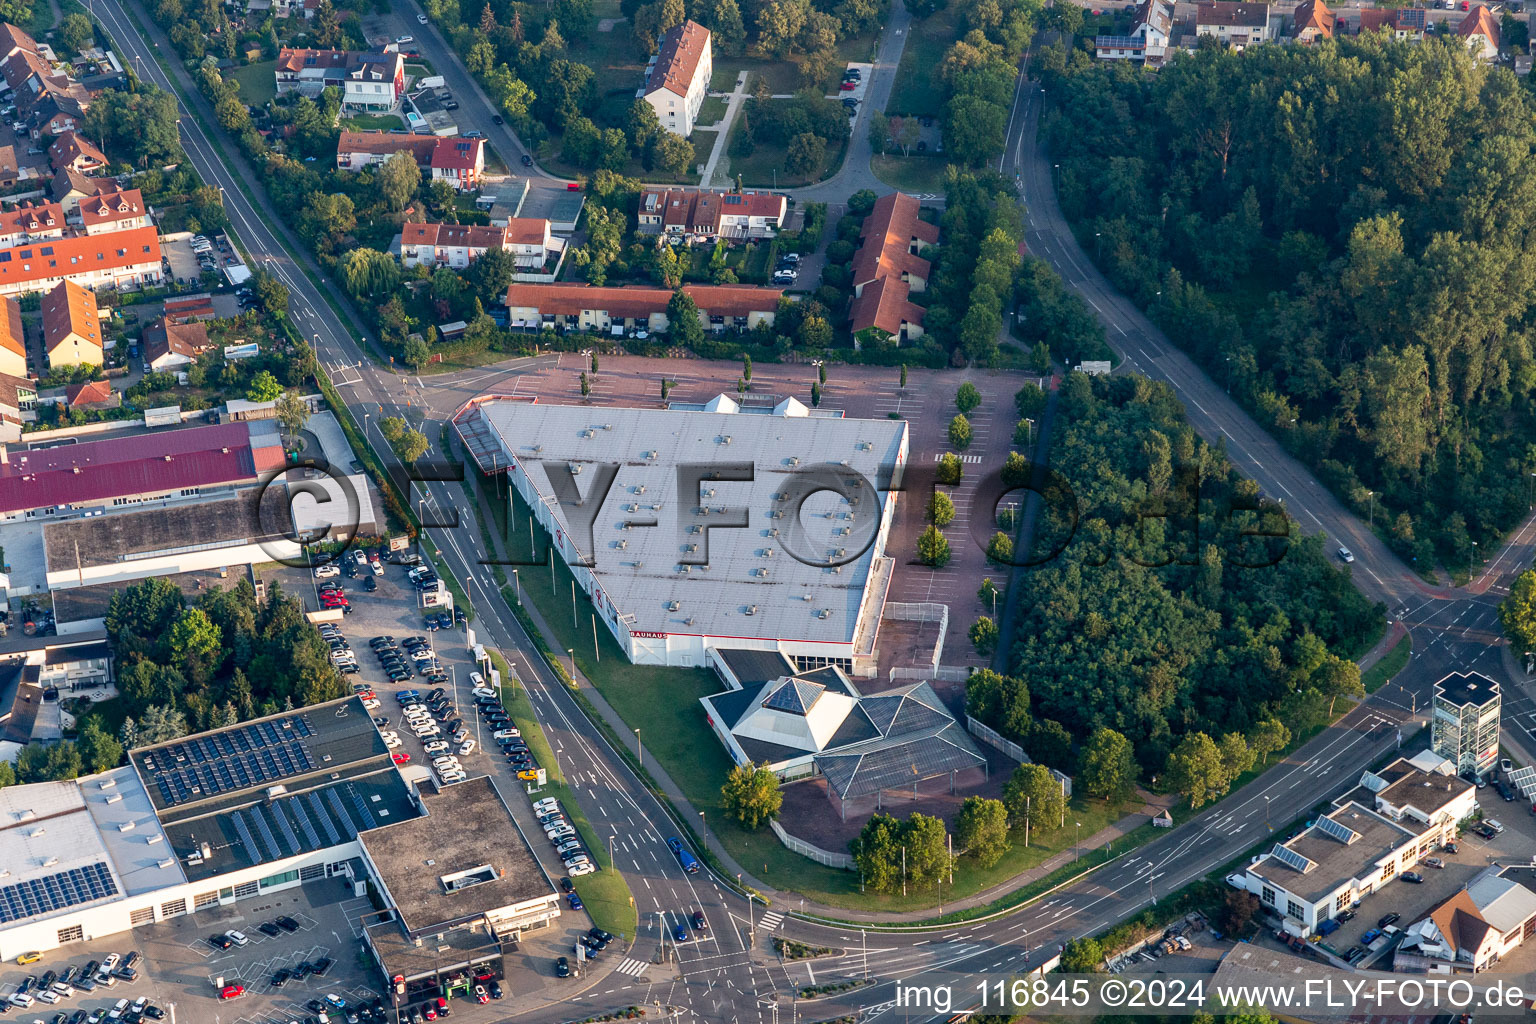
(231, 991)
(850, 86)
(402, 758)
(333, 601)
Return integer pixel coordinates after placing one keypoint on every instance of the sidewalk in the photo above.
(733, 102)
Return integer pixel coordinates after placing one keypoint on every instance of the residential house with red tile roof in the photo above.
(96, 394)
(1236, 24)
(76, 152)
(1403, 22)
(1480, 32)
(68, 187)
(617, 310)
(528, 239)
(29, 223)
(13, 340)
(171, 346)
(677, 78)
(457, 160)
(13, 39)
(887, 269)
(119, 259)
(1476, 927)
(72, 332)
(369, 80)
(1151, 29)
(696, 213)
(113, 211)
(1312, 22)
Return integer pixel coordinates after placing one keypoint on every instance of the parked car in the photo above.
(1387, 919)
(1413, 877)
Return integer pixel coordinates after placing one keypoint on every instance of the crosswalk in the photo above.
(633, 968)
(972, 459)
(771, 920)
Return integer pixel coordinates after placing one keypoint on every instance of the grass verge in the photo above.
(604, 893)
(257, 82)
(1391, 663)
(918, 89)
(918, 172)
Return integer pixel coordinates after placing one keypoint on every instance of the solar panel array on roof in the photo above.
(55, 892)
(323, 818)
(1343, 833)
(345, 822)
(1290, 858)
(250, 755)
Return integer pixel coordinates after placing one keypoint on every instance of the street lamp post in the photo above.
(640, 757)
(1078, 852)
(517, 588)
(572, 652)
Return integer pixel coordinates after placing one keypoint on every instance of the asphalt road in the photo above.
(720, 979)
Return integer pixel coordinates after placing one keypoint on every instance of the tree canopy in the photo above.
(1273, 208)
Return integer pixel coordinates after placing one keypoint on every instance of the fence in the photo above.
(993, 739)
(815, 853)
(922, 611)
(943, 673)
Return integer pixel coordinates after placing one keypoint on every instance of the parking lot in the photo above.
(1413, 901)
(391, 610)
(181, 972)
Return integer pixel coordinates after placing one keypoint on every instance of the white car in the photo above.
(392, 742)
(450, 777)
(371, 703)
(477, 680)
(421, 19)
(422, 655)
(408, 708)
(48, 996)
(110, 961)
(483, 691)
(576, 870)
(446, 762)
(506, 734)
(427, 732)
(325, 572)
(21, 999)
(436, 747)
(378, 568)
(548, 805)
(402, 40)
(238, 938)
(467, 747)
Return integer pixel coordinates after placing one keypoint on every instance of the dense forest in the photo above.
(1169, 598)
(1341, 235)
(219, 660)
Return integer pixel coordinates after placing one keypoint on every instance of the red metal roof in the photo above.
(140, 464)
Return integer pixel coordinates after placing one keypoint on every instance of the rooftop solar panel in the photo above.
(265, 831)
(1290, 858)
(55, 892)
(296, 808)
(286, 828)
(342, 821)
(363, 813)
(324, 819)
(246, 839)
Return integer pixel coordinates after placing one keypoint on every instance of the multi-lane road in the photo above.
(727, 976)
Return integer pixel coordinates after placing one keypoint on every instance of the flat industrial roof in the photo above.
(466, 827)
(1334, 861)
(222, 767)
(127, 536)
(76, 843)
(751, 587)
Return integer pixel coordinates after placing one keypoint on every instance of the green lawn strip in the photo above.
(765, 166)
(918, 172)
(675, 735)
(257, 82)
(604, 892)
(371, 122)
(918, 89)
(1391, 663)
(711, 111)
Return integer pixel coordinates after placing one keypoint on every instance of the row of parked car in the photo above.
(56, 986)
(121, 1012)
(429, 718)
(563, 835)
(400, 658)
